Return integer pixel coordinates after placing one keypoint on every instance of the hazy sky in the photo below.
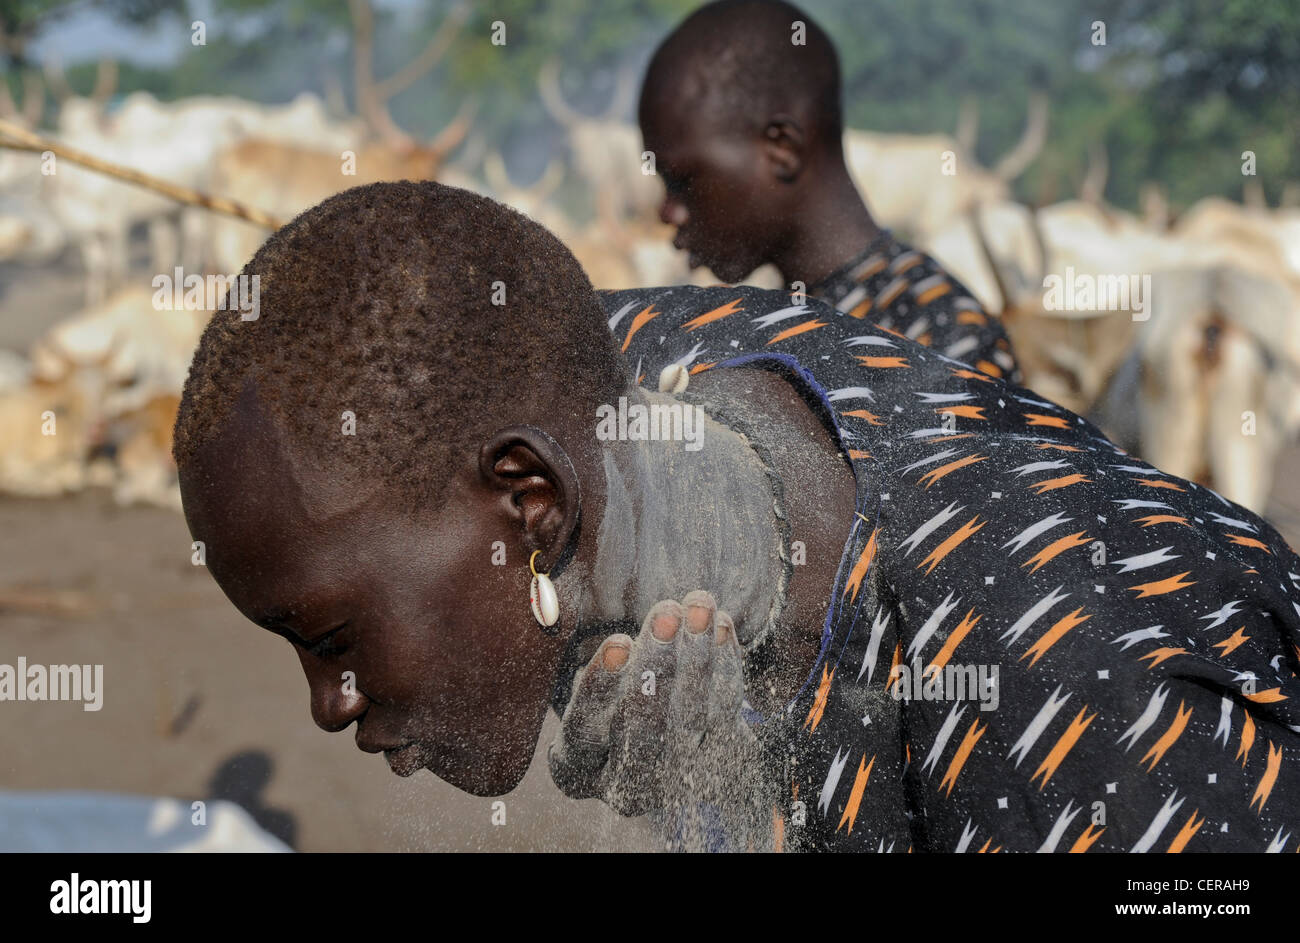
(92, 35)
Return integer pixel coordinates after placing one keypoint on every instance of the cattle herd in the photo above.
(1195, 368)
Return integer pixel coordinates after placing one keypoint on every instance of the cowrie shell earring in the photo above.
(541, 596)
(673, 379)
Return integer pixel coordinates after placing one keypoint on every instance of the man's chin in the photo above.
(408, 760)
(730, 273)
(495, 778)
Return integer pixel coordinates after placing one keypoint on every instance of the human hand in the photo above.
(655, 725)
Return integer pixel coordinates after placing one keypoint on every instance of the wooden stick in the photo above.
(22, 139)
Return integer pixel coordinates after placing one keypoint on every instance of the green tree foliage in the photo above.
(1208, 79)
(1175, 95)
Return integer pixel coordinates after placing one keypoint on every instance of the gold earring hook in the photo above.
(530, 564)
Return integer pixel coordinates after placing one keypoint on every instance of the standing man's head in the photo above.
(741, 107)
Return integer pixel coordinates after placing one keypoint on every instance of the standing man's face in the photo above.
(721, 193)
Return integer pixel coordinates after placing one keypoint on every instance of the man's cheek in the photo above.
(487, 742)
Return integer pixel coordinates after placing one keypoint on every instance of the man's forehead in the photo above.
(273, 518)
(260, 459)
(675, 137)
(679, 124)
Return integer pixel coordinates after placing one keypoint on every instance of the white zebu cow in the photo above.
(904, 178)
(99, 211)
(606, 151)
(1208, 385)
(177, 142)
(29, 233)
(109, 380)
(1220, 392)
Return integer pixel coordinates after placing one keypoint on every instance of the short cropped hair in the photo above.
(741, 61)
(380, 300)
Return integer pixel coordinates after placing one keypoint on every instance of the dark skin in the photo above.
(451, 672)
(780, 194)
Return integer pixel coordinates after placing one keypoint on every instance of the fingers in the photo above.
(695, 657)
(640, 723)
(656, 720)
(727, 687)
(586, 720)
(580, 751)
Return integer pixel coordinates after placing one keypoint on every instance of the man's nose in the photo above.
(335, 699)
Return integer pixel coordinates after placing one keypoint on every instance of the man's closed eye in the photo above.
(328, 645)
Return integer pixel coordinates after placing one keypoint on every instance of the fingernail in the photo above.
(665, 626)
(615, 657)
(665, 617)
(699, 611)
(698, 618)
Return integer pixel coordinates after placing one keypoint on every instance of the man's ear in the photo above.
(783, 146)
(537, 486)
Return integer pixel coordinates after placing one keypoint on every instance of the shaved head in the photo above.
(743, 62)
(741, 108)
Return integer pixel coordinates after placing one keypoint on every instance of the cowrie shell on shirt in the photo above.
(673, 378)
(542, 598)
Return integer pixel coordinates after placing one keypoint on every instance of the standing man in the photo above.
(746, 125)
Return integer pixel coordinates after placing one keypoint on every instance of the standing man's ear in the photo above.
(537, 486)
(783, 146)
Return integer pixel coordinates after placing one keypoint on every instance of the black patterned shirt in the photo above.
(1145, 631)
(903, 290)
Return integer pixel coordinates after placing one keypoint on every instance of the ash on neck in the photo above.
(678, 519)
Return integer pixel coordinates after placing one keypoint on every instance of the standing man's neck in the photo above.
(832, 227)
